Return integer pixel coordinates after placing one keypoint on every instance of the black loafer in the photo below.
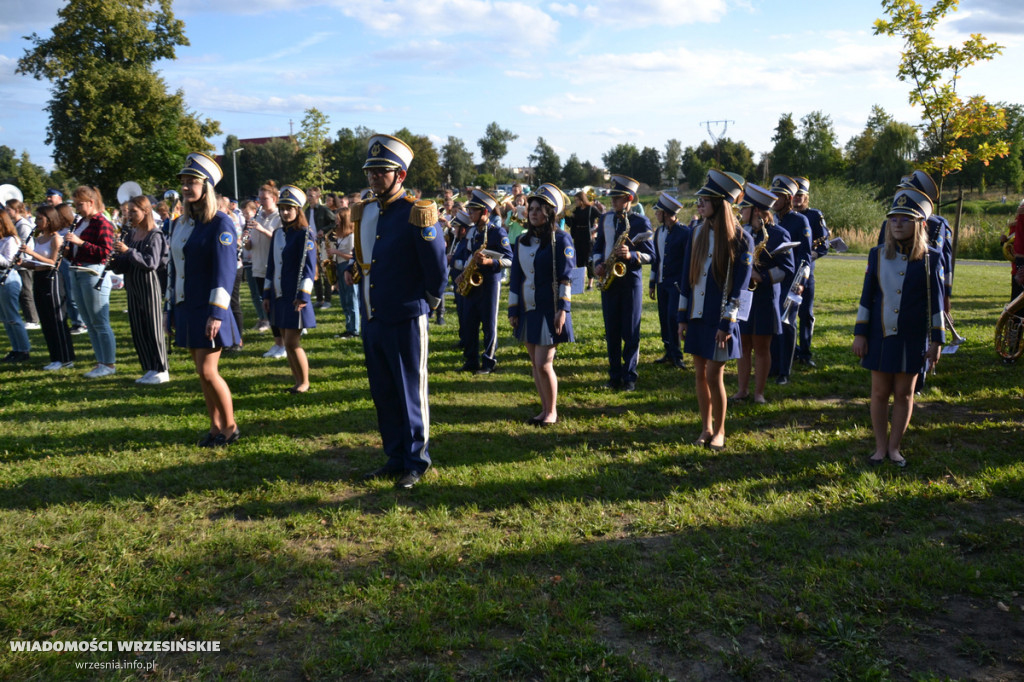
(662, 360)
(408, 480)
(383, 472)
(629, 386)
(207, 440)
(782, 380)
(679, 364)
(233, 438)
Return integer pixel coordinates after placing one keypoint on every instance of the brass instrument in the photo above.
(803, 271)
(759, 250)
(955, 339)
(1010, 330)
(1008, 248)
(614, 268)
(471, 276)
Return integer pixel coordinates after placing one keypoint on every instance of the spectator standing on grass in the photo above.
(321, 221)
(400, 263)
(899, 330)
(10, 290)
(266, 222)
(23, 224)
(343, 252)
(47, 289)
(204, 254)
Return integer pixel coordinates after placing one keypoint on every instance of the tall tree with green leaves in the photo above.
(349, 153)
(785, 155)
(622, 159)
(30, 178)
(494, 146)
(457, 163)
(673, 160)
(934, 73)
(425, 170)
(314, 146)
(819, 154)
(111, 117)
(573, 173)
(547, 166)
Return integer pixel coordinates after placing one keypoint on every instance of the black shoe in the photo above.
(629, 386)
(21, 357)
(782, 380)
(440, 320)
(207, 440)
(468, 368)
(807, 362)
(408, 480)
(612, 385)
(10, 357)
(233, 438)
(384, 472)
(679, 364)
(484, 370)
(662, 360)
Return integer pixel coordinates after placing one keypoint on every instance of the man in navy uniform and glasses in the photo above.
(400, 264)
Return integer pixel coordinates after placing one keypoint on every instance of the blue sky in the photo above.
(583, 75)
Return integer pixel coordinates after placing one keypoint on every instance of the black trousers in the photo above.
(48, 293)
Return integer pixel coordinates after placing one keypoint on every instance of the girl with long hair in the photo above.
(200, 276)
(47, 288)
(716, 268)
(539, 300)
(10, 291)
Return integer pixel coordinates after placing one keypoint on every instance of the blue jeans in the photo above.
(95, 309)
(349, 298)
(10, 310)
(254, 292)
(74, 317)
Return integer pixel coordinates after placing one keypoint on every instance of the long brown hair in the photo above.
(544, 232)
(343, 227)
(90, 194)
(7, 227)
(142, 202)
(52, 218)
(727, 242)
(67, 216)
(918, 241)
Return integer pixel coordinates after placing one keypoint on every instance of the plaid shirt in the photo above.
(98, 237)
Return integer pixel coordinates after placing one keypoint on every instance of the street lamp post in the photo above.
(234, 158)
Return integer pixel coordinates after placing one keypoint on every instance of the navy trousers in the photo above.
(480, 309)
(621, 306)
(668, 308)
(806, 317)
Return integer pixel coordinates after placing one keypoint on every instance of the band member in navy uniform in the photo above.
(899, 321)
(456, 253)
(480, 305)
(799, 230)
(400, 264)
(669, 248)
(200, 277)
(286, 291)
(766, 277)
(623, 242)
(539, 299)
(819, 248)
(716, 268)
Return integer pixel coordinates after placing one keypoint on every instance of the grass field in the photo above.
(605, 548)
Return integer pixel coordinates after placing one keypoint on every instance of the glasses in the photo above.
(379, 171)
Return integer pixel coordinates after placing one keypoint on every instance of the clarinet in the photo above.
(65, 246)
(110, 257)
(15, 262)
(306, 235)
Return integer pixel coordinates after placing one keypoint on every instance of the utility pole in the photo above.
(716, 138)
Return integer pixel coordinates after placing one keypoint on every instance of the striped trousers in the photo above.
(146, 319)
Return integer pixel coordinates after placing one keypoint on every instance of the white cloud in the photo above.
(526, 75)
(576, 99)
(660, 12)
(618, 133)
(546, 112)
(569, 10)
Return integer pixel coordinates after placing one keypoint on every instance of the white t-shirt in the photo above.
(261, 243)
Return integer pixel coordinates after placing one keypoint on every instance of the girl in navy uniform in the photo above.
(899, 322)
(201, 275)
(716, 268)
(669, 248)
(286, 292)
(539, 301)
(766, 277)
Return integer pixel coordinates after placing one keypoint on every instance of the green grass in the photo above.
(605, 548)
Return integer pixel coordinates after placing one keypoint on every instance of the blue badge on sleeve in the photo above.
(748, 259)
(310, 245)
(569, 253)
(504, 241)
(429, 233)
(227, 238)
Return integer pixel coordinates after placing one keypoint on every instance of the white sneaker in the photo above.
(147, 375)
(100, 371)
(80, 329)
(68, 365)
(281, 353)
(272, 353)
(53, 366)
(156, 378)
(32, 325)
(93, 373)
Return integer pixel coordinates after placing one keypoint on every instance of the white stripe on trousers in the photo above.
(423, 327)
(145, 318)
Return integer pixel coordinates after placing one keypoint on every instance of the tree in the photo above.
(934, 72)
(313, 151)
(546, 164)
(111, 118)
(494, 146)
(673, 161)
(8, 165)
(786, 152)
(457, 163)
(29, 178)
(694, 168)
(573, 173)
(349, 154)
(622, 159)
(594, 176)
(648, 167)
(425, 170)
(277, 159)
(819, 153)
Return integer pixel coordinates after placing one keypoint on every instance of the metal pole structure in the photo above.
(234, 157)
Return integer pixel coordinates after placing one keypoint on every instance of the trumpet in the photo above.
(803, 271)
(1009, 336)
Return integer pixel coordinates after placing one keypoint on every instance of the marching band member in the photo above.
(669, 248)
(460, 224)
(1017, 230)
(619, 243)
(47, 288)
(55, 198)
(899, 322)
(766, 277)
(819, 248)
(23, 224)
(224, 206)
(798, 229)
(480, 304)
(321, 221)
(400, 262)
(200, 276)
(90, 246)
(342, 252)
(716, 268)
(539, 300)
(140, 256)
(10, 291)
(291, 267)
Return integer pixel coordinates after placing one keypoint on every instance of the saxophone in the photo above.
(614, 268)
(1010, 330)
(758, 252)
(471, 277)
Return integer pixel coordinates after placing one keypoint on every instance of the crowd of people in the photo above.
(735, 282)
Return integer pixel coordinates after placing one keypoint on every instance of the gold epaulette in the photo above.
(423, 214)
(355, 211)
